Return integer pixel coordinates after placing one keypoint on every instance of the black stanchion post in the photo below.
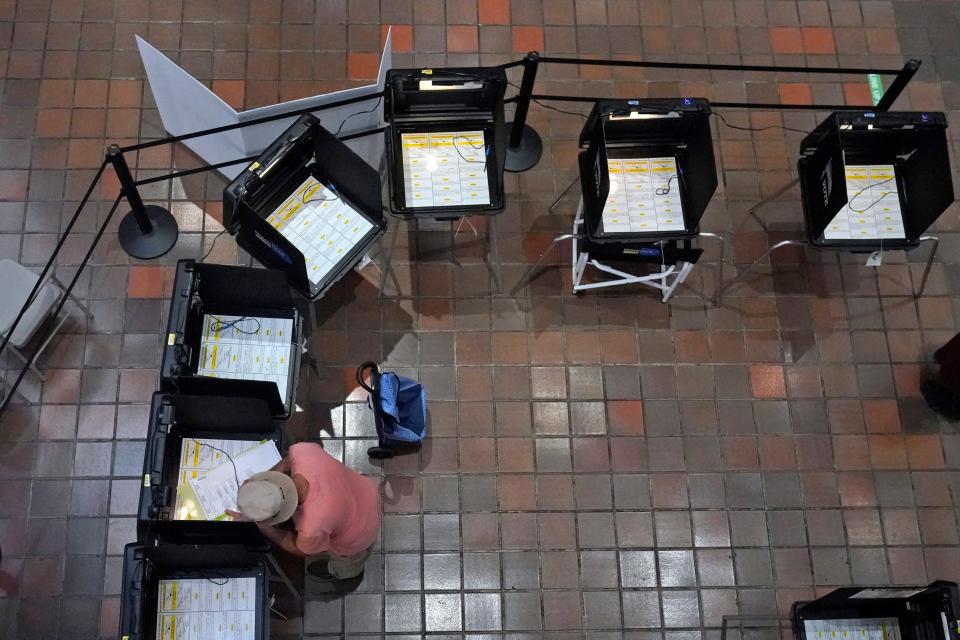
(899, 83)
(146, 232)
(524, 147)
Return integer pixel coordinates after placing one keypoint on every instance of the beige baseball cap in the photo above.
(269, 497)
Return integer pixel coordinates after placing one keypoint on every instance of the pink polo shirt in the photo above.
(341, 514)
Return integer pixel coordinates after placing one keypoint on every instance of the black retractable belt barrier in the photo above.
(146, 232)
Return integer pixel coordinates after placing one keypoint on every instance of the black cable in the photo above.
(212, 245)
(236, 205)
(768, 127)
(857, 194)
(332, 189)
(219, 325)
(236, 476)
(486, 151)
(662, 191)
(546, 106)
(358, 113)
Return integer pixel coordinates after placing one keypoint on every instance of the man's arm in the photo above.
(283, 466)
(286, 540)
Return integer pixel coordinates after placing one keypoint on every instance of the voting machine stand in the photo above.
(308, 206)
(871, 182)
(205, 297)
(144, 567)
(881, 613)
(179, 424)
(446, 148)
(647, 174)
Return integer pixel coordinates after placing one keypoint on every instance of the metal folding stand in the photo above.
(802, 243)
(282, 577)
(666, 280)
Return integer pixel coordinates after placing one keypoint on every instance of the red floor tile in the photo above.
(786, 40)
(767, 381)
(493, 11)
(527, 38)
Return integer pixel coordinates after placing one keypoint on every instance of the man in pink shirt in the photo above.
(335, 510)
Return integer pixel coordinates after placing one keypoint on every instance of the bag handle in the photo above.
(360, 371)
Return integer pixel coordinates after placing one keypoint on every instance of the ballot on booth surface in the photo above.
(198, 455)
(212, 492)
(644, 196)
(444, 169)
(852, 629)
(873, 210)
(246, 348)
(321, 225)
(213, 607)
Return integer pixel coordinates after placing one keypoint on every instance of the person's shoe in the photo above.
(320, 571)
(941, 399)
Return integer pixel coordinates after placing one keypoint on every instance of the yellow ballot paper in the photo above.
(214, 608)
(320, 225)
(212, 492)
(873, 208)
(198, 455)
(644, 196)
(853, 629)
(246, 348)
(444, 169)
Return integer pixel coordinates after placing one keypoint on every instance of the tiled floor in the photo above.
(599, 466)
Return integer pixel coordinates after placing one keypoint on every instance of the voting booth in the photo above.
(308, 206)
(446, 143)
(191, 442)
(874, 181)
(881, 613)
(648, 171)
(233, 331)
(182, 591)
(647, 174)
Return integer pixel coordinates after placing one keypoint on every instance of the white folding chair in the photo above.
(16, 283)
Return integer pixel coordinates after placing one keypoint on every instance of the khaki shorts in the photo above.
(340, 567)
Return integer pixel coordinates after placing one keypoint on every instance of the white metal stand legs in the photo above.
(935, 242)
(666, 280)
(281, 576)
(743, 272)
(493, 251)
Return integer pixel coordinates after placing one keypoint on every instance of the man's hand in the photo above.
(237, 516)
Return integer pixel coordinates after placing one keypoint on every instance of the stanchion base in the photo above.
(525, 155)
(147, 246)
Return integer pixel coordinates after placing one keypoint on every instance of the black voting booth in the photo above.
(886, 613)
(914, 144)
(201, 290)
(667, 148)
(904, 184)
(305, 150)
(145, 566)
(652, 128)
(176, 420)
(419, 104)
